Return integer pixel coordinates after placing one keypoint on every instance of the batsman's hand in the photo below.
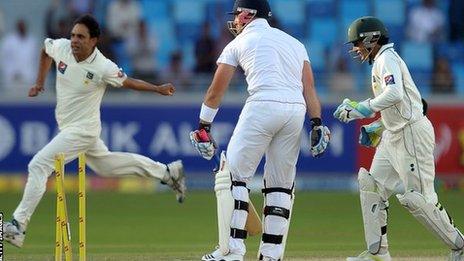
(371, 134)
(203, 142)
(35, 90)
(351, 110)
(320, 137)
(166, 89)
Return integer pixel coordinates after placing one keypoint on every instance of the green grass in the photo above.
(155, 227)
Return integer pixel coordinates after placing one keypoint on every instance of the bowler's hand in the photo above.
(166, 89)
(35, 90)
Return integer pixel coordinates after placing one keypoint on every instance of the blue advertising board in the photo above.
(159, 132)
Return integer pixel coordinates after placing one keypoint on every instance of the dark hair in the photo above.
(91, 23)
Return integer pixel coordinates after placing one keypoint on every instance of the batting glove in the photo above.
(351, 110)
(371, 134)
(203, 142)
(320, 137)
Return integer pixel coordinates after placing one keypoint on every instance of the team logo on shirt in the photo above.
(62, 67)
(89, 75)
(389, 79)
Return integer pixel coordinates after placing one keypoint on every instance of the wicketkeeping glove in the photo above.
(203, 142)
(351, 110)
(371, 134)
(320, 137)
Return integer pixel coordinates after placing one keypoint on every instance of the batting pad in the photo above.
(276, 219)
(433, 217)
(225, 204)
(371, 206)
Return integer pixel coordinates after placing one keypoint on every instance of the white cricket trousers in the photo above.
(271, 128)
(274, 129)
(72, 141)
(406, 158)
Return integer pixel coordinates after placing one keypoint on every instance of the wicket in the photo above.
(63, 232)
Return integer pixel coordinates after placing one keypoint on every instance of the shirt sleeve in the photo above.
(304, 53)
(392, 85)
(53, 47)
(229, 55)
(114, 75)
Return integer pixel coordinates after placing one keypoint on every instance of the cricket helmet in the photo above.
(245, 11)
(365, 33)
(366, 27)
(261, 7)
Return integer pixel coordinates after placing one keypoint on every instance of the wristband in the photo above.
(207, 114)
(205, 126)
(315, 122)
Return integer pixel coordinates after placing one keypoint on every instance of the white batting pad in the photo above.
(371, 206)
(433, 217)
(276, 225)
(225, 204)
(238, 221)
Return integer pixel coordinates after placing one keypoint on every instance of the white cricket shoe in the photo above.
(13, 233)
(216, 255)
(457, 255)
(366, 256)
(176, 179)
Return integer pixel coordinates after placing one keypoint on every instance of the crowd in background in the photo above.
(145, 48)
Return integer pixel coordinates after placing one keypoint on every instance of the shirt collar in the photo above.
(382, 49)
(91, 57)
(255, 24)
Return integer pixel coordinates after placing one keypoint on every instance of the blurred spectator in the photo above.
(225, 37)
(80, 7)
(62, 31)
(2, 24)
(341, 81)
(426, 23)
(58, 20)
(18, 64)
(142, 48)
(176, 74)
(205, 52)
(456, 20)
(104, 44)
(123, 18)
(442, 77)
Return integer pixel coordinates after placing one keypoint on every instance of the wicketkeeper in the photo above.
(281, 88)
(404, 140)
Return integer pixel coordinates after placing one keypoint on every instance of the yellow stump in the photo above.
(62, 219)
(82, 206)
(58, 235)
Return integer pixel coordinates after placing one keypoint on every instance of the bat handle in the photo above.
(217, 161)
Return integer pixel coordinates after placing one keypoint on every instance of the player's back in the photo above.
(273, 63)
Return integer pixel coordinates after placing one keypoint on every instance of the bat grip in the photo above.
(217, 160)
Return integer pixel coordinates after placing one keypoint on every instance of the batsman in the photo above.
(404, 140)
(281, 92)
